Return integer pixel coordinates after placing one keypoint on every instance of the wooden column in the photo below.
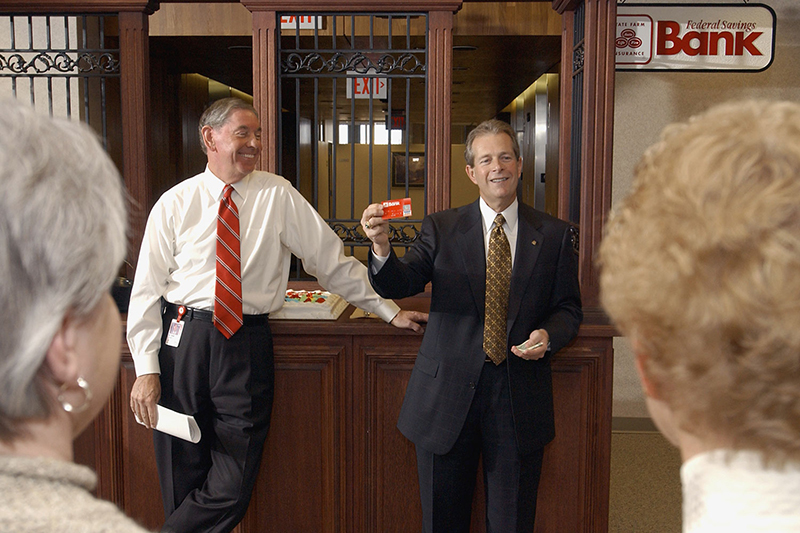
(594, 57)
(586, 150)
(598, 132)
(440, 78)
(135, 101)
(265, 84)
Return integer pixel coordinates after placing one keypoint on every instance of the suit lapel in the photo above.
(469, 237)
(529, 243)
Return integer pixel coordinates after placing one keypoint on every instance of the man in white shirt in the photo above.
(225, 383)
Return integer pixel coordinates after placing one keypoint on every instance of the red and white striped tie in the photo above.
(228, 290)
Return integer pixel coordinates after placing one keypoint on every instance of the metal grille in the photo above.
(352, 93)
(66, 65)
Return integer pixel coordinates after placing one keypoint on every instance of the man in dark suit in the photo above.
(469, 397)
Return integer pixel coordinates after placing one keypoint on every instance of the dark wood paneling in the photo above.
(141, 492)
(574, 472)
(334, 459)
(300, 481)
(390, 494)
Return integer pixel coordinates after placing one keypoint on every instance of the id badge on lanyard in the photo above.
(176, 329)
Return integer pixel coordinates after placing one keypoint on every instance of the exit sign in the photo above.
(366, 86)
(302, 22)
(398, 121)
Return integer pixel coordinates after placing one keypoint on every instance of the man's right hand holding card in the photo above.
(377, 229)
(375, 222)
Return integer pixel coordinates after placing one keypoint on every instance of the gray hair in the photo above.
(62, 239)
(490, 127)
(218, 113)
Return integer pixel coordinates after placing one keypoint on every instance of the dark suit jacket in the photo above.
(544, 294)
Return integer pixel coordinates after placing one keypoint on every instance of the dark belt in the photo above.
(208, 316)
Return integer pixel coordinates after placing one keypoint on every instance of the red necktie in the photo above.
(228, 291)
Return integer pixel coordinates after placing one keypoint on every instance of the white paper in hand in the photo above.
(176, 424)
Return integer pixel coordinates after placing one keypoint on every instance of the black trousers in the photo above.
(228, 386)
(511, 480)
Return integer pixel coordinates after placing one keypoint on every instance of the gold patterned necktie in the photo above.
(498, 280)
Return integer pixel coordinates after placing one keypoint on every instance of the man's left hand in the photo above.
(410, 320)
(537, 345)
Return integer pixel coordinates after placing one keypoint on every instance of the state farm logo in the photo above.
(634, 42)
(628, 39)
(693, 37)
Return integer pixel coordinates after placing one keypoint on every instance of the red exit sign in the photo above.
(366, 87)
(395, 122)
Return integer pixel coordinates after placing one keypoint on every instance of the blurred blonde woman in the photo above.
(62, 239)
(701, 269)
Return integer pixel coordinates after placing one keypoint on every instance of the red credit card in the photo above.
(396, 208)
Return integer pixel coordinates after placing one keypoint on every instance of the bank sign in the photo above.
(733, 37)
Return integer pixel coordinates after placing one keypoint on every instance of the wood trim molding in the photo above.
(356, 5)
(598, 133)
(562, 6)
(440, 78)
(265, 80)
(87, 6)
(565, 118)
(134, 52)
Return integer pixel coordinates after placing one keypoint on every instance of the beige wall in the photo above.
(647, 101)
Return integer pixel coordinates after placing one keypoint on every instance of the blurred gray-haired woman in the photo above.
(62, 239)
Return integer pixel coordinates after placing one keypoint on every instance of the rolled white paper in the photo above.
(176, 424)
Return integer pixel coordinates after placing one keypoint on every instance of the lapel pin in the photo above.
(534, 243)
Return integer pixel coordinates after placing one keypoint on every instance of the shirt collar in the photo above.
(215, 185)
(510, 214)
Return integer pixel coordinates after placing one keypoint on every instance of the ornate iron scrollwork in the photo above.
(575, 237)
(62, 62)
(316, 62)
(577, 59)
(403, 234)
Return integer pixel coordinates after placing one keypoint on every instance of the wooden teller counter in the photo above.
(334, 460)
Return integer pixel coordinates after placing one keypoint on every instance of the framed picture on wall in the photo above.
(416, 169)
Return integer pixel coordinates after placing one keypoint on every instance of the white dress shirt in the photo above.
(178, 255)
(733, 492)
(511, 215)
